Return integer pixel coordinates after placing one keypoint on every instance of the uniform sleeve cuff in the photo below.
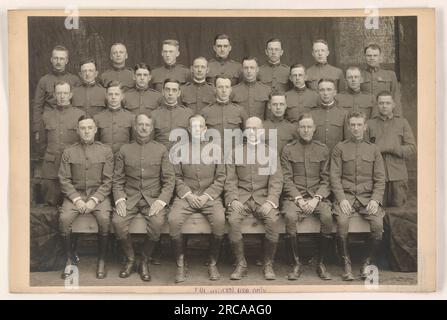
(119, 200)
(76, 199)
(209, 197)
(273, 205)
(185, 195)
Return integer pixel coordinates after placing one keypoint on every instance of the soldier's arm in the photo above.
(167, 178)
(275, 184)
(408, 147)
(290, 190)
(119, 177)
(216, 188)
(323, 189)
(65, 178)
(335, 173)
(38, 104)
(378, 177)
(181, 188)
(105, 188)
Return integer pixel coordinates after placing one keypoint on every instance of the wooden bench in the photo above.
(197, 224)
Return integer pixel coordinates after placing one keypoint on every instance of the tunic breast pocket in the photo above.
(315, 164)
(233, 123)
(151, 168)
(298, 166)
(383, 85)
(367, 164)
(78, 169)
(348, 160)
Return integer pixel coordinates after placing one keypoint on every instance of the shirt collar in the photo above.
(222, 102)
(118, 68)
(330, 105)
(273, 64)
(170, 66)
(352, 91)
(300, 89)
(199, 82)
(372, 69)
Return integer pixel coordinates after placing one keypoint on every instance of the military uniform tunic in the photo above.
(197, 96)
(276, 76)
(175, 72)
(89, 97)
(253, 97)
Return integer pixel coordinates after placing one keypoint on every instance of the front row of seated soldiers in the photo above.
(143, 181)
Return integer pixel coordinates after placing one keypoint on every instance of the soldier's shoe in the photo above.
(180, 275)
(322, 272)
(101, 272)
(347, 276)
(296, 272)
(68, 270)
(269, 274)
(239, 272)
(75, 260)
(127, 269)
(213, 272)
(145, 274)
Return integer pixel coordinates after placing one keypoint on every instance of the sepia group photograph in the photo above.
(222, 151)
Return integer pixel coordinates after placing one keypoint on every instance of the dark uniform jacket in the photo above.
(60, 126)
(175, 72)
(89, 97)
(319, 71)
(394, 135)
(142, 101)
(197, 96)
(357, 172)
(44, 98)
(300, 100)
(253, 97)
(356, 101)
(87, 169)
(225, 68)
(123, 75)
(305, 168)
(114, 127)
(276, 76)
(244, 181)
(286, 132)
(143, 171)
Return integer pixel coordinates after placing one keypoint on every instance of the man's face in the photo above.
(274, 51)
(142, 78)
(88, 72)
(327, 91)
(59, 60)
(114, 97)
(171, 92)
(252, 127)
(278, 105)
(386, 105)
(250, 69)
(306, 129)
(357, 126)
(222, 48)
(372, 57)
(223, 89)
(320, 52)
(197, 128)
(144, 126)
(87, 130)
(199, 69)
(354, 79)
(118, 54)
(298, 77)
(63, 94)
(170, 53)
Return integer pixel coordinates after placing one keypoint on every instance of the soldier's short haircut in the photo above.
(87, 60)
(118, 44)
(373, 46)
(352, 68)
(222, 36)
(86, 117)
(356, 114)
(384, 93)
(113, 84)
(171, 42)
(221, 77)
(142, 114)
(141, 65)
(61, 83)
(197, 116)
(305, 115)
(276, 93)
(201, 58)
(250, 58)
(297, 65)
(171, 80)
(327, 80)
(320, 41)
(273, 40)
(60, 48)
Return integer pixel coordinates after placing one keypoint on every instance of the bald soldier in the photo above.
(198, 93)
(115, 122)
(222, 65)
(170, 69)
(299, 99)
(44, 98)
(59, 131)
(321, 69)
(353, 99)
(285, 131)
(253, 189)
(305, 164)
(141, 98)
(251, 94)
(90, 96)
(143, 182)
(171, 114)
(85, 176)
(198, 189)
(274, 74)
(376, 79)
(357, 178)
(119, 71)
(329, 118)
(223, 114)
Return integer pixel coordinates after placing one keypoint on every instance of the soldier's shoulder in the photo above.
(181, 66)
(158, 145)
(320, 144)
(263, 86)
